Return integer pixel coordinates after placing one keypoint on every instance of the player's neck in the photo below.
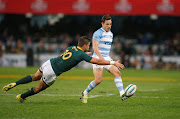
(80, 48)
(104, 30)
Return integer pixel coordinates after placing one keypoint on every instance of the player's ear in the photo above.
(102, 23)
(84, 46)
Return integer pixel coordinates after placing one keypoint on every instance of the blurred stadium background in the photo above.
(145, 37)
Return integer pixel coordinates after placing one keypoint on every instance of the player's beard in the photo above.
(108, 29)
(86, 50)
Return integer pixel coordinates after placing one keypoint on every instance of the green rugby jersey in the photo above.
(70, 58)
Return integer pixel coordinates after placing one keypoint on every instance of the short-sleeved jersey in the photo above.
(70, 58)
(105, 40)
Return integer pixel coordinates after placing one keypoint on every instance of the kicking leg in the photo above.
(32, 91)
(118, 80)
(27, 79)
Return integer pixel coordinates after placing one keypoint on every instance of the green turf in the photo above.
(153, 99)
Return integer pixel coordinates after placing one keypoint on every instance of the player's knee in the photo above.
(36, 77)
(38, 88)
(117, 73)
(98, 81)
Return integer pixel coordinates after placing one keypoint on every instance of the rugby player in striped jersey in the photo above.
(102, 40)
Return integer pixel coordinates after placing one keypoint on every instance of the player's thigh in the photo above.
(114, 71)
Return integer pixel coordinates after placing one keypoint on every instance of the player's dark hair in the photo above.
(106, 17)
(83, 40)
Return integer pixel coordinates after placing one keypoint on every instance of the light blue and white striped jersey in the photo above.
(105, 40)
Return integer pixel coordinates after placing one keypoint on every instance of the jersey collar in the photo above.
(79, 48)
(104, 30)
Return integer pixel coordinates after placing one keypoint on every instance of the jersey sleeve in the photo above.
(86, 57)
(97, 36)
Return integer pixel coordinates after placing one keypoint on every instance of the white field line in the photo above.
(66, 95)
(151, 90)
(94, 96)
(156, 97)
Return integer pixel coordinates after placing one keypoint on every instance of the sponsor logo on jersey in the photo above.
(39, 5)
(123, 6)
(81, 5)
(108, 43)
(165, 6)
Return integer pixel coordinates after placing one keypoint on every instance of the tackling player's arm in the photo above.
(105, 62)
(102, 61)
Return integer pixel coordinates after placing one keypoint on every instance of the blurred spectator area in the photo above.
(139, 41)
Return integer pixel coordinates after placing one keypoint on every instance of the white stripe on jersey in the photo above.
(107, 39)
(105, 46)
(103, 51)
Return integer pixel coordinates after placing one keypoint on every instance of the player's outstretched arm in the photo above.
(105, 62)
(88, 53)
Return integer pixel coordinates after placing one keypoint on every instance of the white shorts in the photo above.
(96, 66)
(48, 77)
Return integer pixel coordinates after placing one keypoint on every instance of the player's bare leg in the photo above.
(37, 76)
(98, 74)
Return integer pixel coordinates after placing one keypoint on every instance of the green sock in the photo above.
(28, 93)
(24, 80)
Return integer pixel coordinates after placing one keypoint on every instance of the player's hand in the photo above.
(101, 58)
(89, 53)
(119, 65)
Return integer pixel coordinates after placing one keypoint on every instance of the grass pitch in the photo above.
(157, 96)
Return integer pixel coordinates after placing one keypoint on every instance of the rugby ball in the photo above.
(130, 90)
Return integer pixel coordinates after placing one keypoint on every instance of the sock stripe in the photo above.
(90, 86)
(120, 89)
(118, 82)
(93, 83)
(117, 78)
(32, 77)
